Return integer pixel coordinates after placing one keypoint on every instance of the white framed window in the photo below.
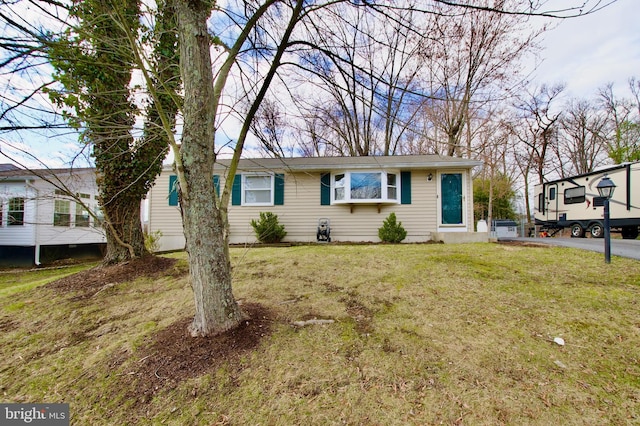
(82, 216)
(15, 211)
(371, 186)
(62, 213)
(392, 186)
(99, 216)
(257, 189)
(338, 187)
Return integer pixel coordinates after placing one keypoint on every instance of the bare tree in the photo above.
(205, 223)
(82, 54)
(623, 135)
(581, 143)
(535, 129)
(497, 176)
(365, 67)
(472, 57)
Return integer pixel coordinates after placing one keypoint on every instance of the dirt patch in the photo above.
(172, 355)
(523, 244)
(7, 325)
(89, 282)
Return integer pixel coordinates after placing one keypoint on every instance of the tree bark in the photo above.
(125, 239)
(216, 310)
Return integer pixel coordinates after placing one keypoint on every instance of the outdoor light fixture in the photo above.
(430, 177)
(605, 189)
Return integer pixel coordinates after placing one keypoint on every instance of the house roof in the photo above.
(311, 164)
(24, 174)
(306, 164)
(8, 167)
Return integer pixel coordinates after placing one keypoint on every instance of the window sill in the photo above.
(352, 204)
(370, 202)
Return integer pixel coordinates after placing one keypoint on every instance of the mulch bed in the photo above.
(172, 355)
(169, 357)
(89, 282)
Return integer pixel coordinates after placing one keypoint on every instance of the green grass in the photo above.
(423, 334)
(16, 280)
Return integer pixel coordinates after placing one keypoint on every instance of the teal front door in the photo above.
(451, 190)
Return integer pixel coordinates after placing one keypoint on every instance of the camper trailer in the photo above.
(574, 203)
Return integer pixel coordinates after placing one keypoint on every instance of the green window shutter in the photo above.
(278, 196)
(173, 190)
(325, 189)
(405, 187)
(236, 191)
(216, 184)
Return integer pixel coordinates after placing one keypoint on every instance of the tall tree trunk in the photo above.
(125, 239)
(216, 310)
(527, 203)
(95, 67)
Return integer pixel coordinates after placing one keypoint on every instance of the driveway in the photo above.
(623, 248)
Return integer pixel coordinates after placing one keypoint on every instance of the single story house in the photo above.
(432, 196)
(38, 220)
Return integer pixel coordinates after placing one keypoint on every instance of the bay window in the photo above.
(365, 187)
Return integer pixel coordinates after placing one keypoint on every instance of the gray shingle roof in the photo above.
(21, 174)
(8, 167)
(405, 162)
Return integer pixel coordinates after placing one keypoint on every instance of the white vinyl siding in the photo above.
(350, 222)
(18, 235)
(301, 212)
(164, 217)
(39, 210)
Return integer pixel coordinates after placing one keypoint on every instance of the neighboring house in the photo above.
(39, 221)
(431, 195)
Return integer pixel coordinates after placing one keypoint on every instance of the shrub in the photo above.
(152, 240)
(391, 230)
(267, 229)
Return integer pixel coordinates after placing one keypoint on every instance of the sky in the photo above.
(585, 53)
(590, 51)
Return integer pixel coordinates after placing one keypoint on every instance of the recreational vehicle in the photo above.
(574, 203)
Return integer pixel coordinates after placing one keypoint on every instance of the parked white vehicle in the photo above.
(574, 203)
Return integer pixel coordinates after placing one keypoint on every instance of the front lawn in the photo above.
(421, 334)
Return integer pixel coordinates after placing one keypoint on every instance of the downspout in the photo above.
(36, 259)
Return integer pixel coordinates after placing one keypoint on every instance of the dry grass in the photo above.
(423, 334)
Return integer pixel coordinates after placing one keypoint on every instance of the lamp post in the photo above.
(605, 189)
